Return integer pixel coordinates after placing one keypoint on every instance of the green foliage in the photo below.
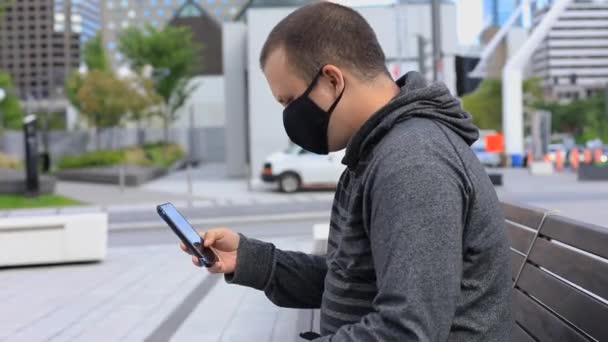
(20, 201)
(95, 55)
(12, 115)
(485, 104)
(161, 155)
(92, 159)
(103, 99)
(8, 162)
(164, 155)
(585, 118)
(3, 5)
(169, 50)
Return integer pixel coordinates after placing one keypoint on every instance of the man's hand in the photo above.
(224, 242)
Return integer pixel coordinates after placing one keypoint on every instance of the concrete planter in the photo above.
(133, 175)
(592, 173)
(53, 239)
(13, 182)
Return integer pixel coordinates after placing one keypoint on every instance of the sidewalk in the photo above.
(139, 292)
(584, 201)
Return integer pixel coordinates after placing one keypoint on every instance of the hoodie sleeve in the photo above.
(415, 220)
(289, 279)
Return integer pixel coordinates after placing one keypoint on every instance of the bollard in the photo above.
(189, 180)
(597, 155)
(574, 158)
(121, 178)
(587, 155)
(559, 161)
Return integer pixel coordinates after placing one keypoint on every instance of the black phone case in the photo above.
(202, 259)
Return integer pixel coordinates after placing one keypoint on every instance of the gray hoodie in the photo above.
(417, 249)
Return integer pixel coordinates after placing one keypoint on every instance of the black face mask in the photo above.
(306, 124)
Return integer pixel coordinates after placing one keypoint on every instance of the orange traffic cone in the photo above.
(597, 155)
(529, 157)
(559, 161)
(574, 158)
(587, 155)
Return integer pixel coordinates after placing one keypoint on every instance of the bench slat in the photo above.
(589, 273)
(526, 216)
(580, 309)
(521, 239)
(540, 322)
(520, 335)
(516, 261)
(588, 237)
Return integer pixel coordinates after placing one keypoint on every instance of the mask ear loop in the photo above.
(335, 104)
(313, 83)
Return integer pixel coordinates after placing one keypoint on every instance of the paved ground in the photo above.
(584, 201)
(146, 289)
(210, 187)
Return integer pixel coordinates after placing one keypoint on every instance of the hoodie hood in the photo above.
(416, 99)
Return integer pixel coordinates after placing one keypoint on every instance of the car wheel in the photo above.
(289, 182)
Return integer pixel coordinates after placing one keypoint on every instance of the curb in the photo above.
(152, 225)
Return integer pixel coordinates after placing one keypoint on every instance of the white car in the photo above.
(297, 168)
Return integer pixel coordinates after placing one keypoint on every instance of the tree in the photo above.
(585, 119)
(95, 55)
(95, 58)
(104, 100)
(3, 5)
(142, 101)
(10, 107)
(171, 52)
(485, 103)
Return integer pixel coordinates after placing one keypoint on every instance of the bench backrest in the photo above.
(559, 268)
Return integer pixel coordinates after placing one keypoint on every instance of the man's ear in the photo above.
(335, 76)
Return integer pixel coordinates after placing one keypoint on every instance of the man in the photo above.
(417, 249)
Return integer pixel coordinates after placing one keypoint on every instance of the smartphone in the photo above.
(187, 234)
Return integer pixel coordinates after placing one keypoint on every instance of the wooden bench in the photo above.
(559, 269)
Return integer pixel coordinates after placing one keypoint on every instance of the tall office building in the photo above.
(120, 14)
(497, 12)
(39, 47)
(573, 59)
(85, 17)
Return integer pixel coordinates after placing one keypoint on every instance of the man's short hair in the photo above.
(327, 33)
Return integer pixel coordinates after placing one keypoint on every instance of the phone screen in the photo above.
(180, 223)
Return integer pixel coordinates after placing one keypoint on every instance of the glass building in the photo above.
(497, 12)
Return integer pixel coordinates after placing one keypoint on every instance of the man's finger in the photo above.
(216, 268)
(212, 237)
(195, 261)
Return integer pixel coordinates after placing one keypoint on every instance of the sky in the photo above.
(470, 21)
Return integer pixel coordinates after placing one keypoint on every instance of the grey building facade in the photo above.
(120, 14)
(573, 59)
(40, 43)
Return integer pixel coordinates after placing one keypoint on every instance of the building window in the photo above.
(146, 13)
(152, 2)
(132, 14)
(168, 2)
(110, 4)
(160, 12)
(124, 3)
